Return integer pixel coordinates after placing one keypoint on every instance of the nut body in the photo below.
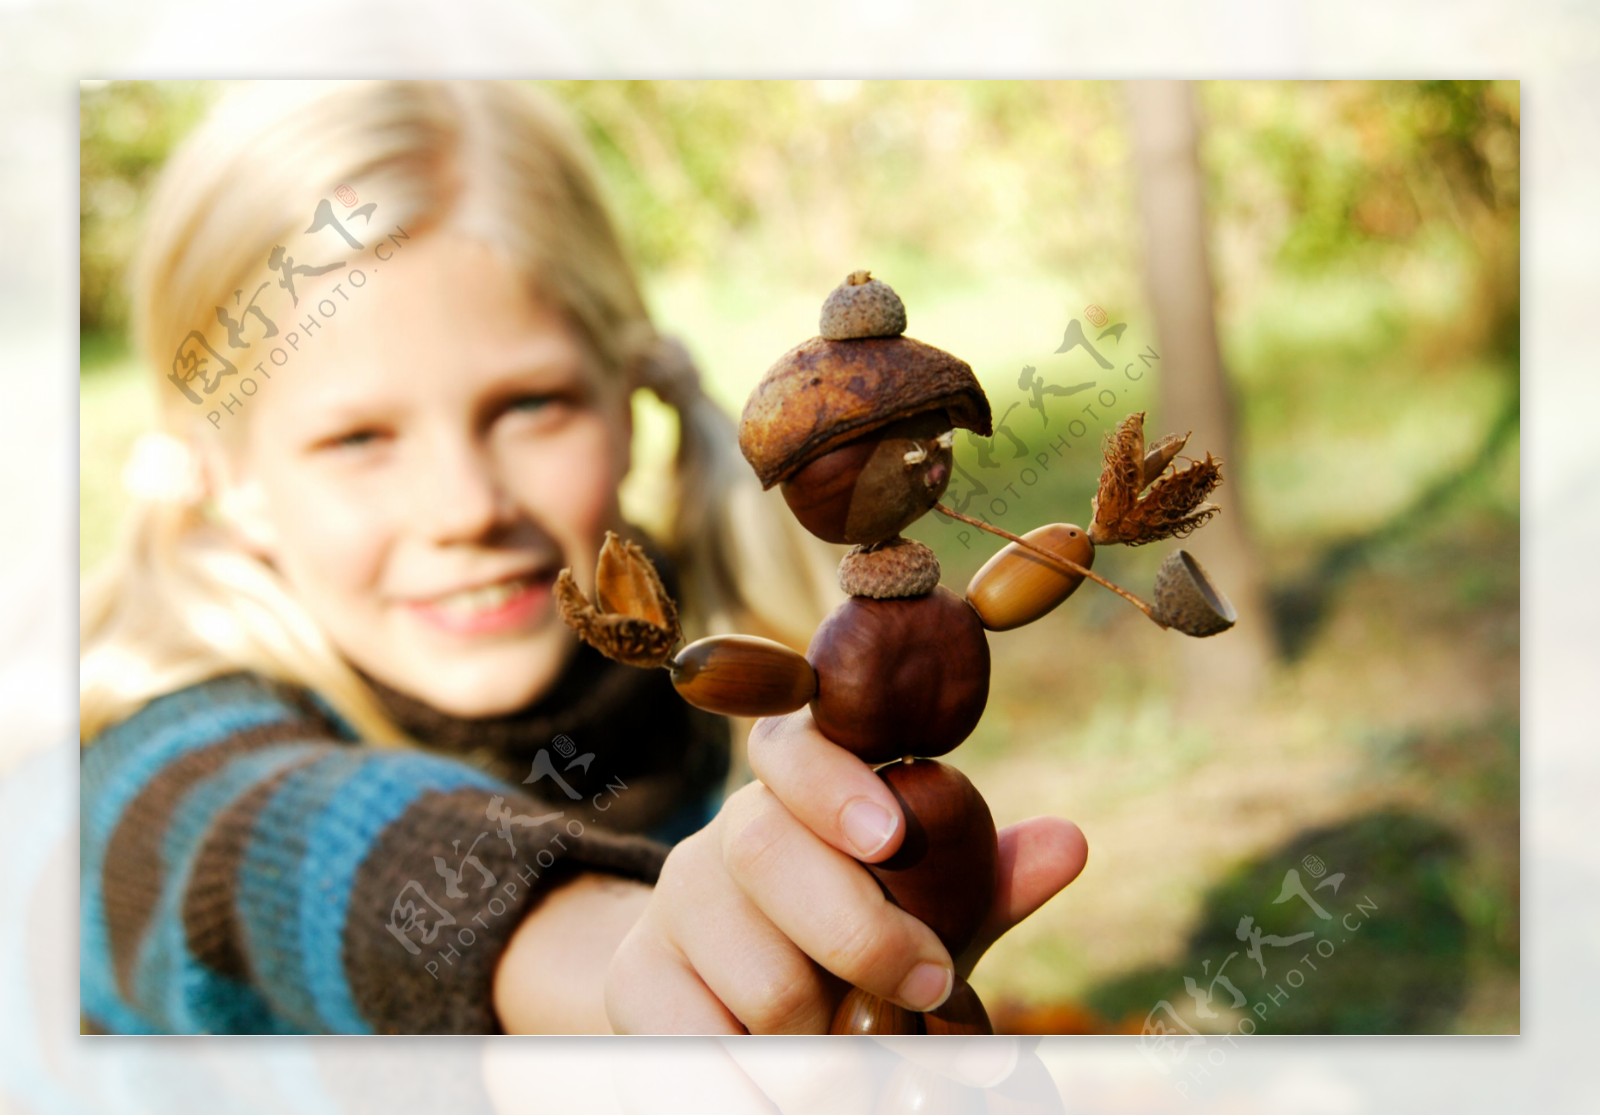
(901, 677)
(743, 676)
(862, 1013)
(865, 491)
(1015, 587)
(962, 1014)
(946, 871)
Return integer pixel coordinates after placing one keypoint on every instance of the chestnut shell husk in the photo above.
(822, 394)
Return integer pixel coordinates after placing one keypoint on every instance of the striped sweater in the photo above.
(249, 866)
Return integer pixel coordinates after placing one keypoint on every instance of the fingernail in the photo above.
(867, 826)
(927, 987)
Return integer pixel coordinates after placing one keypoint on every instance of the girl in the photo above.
(345, 768)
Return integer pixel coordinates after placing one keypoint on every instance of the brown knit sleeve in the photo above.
(444, 887)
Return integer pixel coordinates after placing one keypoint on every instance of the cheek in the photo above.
(571, 483)
(327, 541)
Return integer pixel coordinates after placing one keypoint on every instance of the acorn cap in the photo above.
(1186, 599)
(862, 306)
(898, 568)
(822, 394)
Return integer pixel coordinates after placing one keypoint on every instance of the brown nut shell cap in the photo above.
(898, 568)
(821, 394)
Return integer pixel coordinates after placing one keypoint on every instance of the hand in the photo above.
(762, 919)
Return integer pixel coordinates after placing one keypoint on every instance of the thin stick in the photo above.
(1065, 565)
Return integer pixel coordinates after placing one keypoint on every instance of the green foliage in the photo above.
(126, 129)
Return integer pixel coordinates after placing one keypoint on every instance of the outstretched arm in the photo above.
(245, 868)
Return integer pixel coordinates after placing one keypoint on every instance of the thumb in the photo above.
(1038, 858)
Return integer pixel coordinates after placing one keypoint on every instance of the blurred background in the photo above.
(1306, 825)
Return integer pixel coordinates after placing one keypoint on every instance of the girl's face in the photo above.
(422, 466)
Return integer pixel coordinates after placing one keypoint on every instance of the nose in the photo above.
(461, 499)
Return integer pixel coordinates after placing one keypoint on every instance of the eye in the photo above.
(538, 409)
(358, 438)
(533, 402)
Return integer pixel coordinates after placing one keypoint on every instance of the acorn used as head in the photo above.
(856, 424)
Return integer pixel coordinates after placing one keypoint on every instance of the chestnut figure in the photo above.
(856, 425)
(900, 677)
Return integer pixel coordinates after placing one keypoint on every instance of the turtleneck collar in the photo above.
(638, 729)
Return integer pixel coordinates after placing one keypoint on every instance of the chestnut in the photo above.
(867, 490)
(899, 677)
(946, 871)
(962, 1014)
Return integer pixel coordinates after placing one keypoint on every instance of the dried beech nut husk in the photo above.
(743, 676)
(632, 618)
(946, 871)
(1015, 587)
(1186, 599)
(900, 677)
(862, 306)
(862, 1013)
(865, 491)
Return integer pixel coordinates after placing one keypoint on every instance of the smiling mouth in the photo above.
(504, 604)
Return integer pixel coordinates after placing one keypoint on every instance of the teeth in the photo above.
(486, 598)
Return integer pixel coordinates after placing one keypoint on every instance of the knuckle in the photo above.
(678, 866)
(784, 1003)
(869, 950)
(756, 835)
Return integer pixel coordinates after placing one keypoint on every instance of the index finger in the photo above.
(832, 793)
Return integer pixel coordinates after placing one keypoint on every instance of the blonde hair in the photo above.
(179, 601)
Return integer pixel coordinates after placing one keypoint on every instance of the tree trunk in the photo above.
(1193, 390)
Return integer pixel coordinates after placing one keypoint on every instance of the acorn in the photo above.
(1017, 587)
(743, 676)
(900, 677)
(946, 871)
(862, 1013)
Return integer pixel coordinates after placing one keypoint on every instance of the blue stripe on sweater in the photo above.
(188, 996)
(114, 769)
(294, 908)
(122, 760)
